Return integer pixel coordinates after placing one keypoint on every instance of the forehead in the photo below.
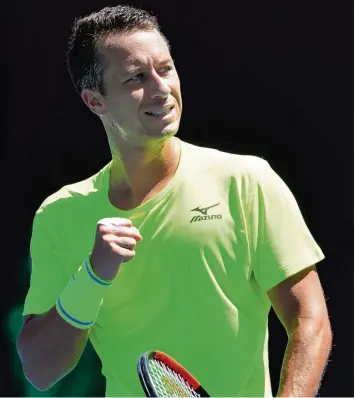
(133, 49)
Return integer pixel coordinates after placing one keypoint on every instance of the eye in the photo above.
(165, 70)
(136, 78)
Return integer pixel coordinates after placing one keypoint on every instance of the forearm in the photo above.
(305, 359)
(49, 348)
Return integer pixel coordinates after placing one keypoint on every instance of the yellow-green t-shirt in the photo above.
(223, 232)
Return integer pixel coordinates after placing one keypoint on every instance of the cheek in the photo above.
(136, 96)
(125, 103)
(113, 101)
(175, 88)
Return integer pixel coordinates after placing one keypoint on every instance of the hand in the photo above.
(115, 242)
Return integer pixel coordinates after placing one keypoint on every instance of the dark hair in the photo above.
(85, 65)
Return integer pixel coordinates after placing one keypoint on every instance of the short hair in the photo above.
(85, 65)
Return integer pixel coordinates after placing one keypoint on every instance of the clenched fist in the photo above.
(115, 242)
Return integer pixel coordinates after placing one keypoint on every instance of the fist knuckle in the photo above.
(114, 221)
(131, 254)
(105, 238)
(131, 242)
(115, 242)
(101, 229)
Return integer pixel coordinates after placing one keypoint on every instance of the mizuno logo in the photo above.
(204, 210)
(205, 216)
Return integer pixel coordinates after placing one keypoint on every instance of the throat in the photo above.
(126, 198)
(131, 187)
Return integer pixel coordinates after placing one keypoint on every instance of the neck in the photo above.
(138, 172)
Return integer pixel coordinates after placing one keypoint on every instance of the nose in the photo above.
(159, 87)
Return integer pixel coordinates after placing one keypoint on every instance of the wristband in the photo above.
(82, 298)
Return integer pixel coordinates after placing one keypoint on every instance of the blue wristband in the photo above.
(81, 300)
(93, 276)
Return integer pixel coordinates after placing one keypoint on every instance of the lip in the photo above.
(168, 117)
(160, 108)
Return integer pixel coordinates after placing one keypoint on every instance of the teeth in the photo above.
(159, 113)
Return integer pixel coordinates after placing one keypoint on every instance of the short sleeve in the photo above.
(49, 275)
(283, 244)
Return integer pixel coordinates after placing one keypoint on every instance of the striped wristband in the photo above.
(82, 298)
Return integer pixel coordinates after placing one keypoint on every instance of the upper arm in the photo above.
(300, 297)
(281, 241)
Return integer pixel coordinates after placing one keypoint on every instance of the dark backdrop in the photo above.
(272, 79)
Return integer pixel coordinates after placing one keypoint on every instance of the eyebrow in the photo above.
(133, 69)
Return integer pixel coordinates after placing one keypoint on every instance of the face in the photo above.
(143, 95)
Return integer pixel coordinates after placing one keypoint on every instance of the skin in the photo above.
(300, 305)
(144, 158)
(140, 75)
(144, 163)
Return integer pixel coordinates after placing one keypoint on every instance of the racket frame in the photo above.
(147, 382)
(144, 376)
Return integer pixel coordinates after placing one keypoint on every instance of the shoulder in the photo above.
(71, 196)
(248, 177)
(250, 167)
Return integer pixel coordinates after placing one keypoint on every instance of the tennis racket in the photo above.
(162, 376)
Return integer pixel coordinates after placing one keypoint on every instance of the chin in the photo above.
(168, 131)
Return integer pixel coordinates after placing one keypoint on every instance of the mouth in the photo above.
(162, 113)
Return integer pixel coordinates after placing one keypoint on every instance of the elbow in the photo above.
(36, 373)
(41, 385)
(38, 382)
(318, 328)
(323, 328)
(39, 378)
(310, 327)
(43, 361)
(328, 334)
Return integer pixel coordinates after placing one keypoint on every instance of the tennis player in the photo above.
(170, 246)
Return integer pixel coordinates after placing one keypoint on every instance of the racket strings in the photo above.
(169, 383)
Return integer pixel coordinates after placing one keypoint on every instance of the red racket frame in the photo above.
(146, 380)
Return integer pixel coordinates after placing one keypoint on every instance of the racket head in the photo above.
(162, 376)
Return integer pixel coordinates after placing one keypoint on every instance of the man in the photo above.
(192, 245)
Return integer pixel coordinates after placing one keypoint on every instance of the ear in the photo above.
(94, 101)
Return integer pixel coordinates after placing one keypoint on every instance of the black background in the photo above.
(272, 79)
